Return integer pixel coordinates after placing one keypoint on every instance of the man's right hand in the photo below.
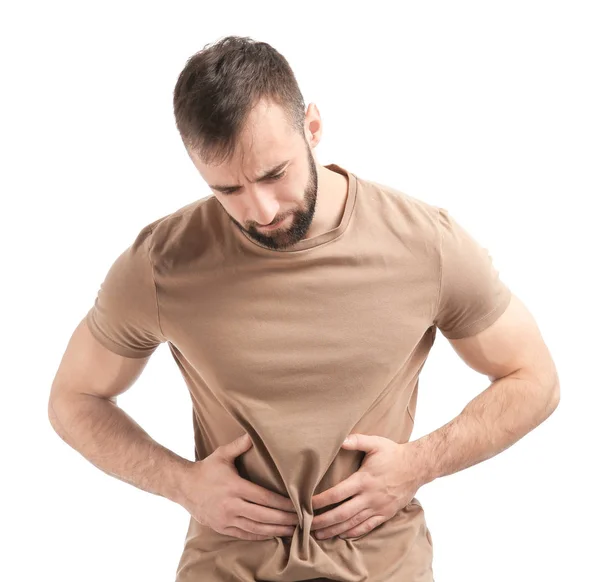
(216, 496)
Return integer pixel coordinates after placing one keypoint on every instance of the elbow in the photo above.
(53, 415)
(553, 393)
(59, 410)
(551, 384)
(555, 387)
(555, 399)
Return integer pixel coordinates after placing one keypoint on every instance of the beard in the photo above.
(301, 219)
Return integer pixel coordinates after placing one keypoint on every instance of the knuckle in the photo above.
(226, 505)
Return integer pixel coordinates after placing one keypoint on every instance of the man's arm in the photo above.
(524, 392)
(82, 410)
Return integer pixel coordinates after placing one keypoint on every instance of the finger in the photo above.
(363, 528)
(236, 532)
(268, 529)
(340, 514)
(267, 515)
(357, 521)
(261, 496)
(236, 447)
(339, 492)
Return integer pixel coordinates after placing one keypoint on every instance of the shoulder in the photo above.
(182, 232)
(408, 215)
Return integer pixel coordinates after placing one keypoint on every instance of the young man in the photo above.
(300, 303)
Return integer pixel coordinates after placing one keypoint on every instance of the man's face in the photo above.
(289, 193)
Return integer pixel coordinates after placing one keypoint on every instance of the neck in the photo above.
(331, 201)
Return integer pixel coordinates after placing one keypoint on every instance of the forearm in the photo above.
(112, 441)
(493, 421)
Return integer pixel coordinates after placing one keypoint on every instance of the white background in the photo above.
(490, 110)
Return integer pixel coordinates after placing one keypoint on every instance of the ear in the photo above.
(313, 125)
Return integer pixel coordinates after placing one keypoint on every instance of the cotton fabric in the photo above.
(299, 348)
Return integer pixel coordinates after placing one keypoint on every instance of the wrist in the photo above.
(180, 483)
(421, 461)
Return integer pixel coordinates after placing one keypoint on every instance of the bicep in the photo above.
(87, 367)
(512, 344)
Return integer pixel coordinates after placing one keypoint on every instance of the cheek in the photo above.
(231, 207)
(291, 196)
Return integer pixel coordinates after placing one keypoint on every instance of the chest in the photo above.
(287, 330)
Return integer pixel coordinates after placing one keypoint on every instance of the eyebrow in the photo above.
(268, 174)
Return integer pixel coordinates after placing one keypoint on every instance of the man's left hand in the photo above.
(385, 483)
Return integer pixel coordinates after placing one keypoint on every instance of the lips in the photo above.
(273, 226)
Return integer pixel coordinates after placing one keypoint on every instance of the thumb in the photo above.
(362, 442)
(236, 447)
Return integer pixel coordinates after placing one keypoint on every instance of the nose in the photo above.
(264, 208)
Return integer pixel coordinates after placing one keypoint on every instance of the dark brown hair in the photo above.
(219, 86)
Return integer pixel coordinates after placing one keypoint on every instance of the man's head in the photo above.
(241, 117)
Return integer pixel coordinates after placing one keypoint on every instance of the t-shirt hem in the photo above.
(110, 344)
(485, 321)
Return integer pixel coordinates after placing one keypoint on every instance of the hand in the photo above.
(385, 483)
(216, 496)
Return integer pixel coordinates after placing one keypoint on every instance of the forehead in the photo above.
(266, 140)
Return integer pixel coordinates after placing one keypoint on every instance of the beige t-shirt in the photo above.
(300, 348)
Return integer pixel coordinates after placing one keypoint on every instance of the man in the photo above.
(300, 303)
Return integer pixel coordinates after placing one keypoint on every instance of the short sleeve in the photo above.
(125, 317)
(471, 294)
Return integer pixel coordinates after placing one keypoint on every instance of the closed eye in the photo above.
(268, 178)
